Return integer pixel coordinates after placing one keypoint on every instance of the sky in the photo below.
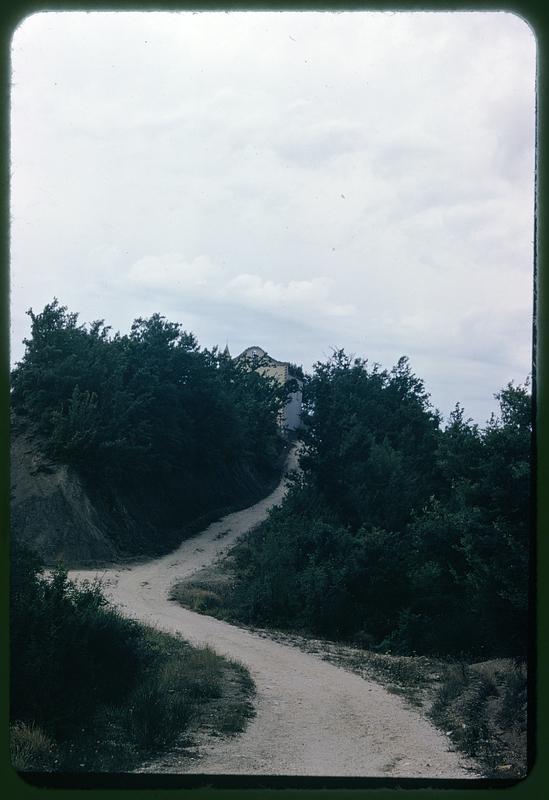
(301, 181)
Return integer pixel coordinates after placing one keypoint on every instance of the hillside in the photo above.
(123, 445)
(51, 510)
(63, 516)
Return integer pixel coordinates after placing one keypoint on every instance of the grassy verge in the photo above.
(484, 706)
(207, 592)
(94, 691)
(182, 688)
(481, 707)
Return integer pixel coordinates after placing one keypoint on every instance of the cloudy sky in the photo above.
(299, 181)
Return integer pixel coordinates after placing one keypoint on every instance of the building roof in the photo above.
(259, 352)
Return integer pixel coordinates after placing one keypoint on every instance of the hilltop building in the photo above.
(290, 418)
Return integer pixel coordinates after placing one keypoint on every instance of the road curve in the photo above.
(312, 717)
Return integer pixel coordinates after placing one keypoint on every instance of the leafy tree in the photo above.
(370, 440)
(157, 427)
(399, 534)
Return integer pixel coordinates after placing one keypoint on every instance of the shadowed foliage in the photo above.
(94, 691)
(164, 434)
(399, 534)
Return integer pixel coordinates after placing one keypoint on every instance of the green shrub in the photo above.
(64, 638)
(161, 431)
(396, 532)
(105, 689)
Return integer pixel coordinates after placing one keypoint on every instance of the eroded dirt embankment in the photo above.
(74, 518)
(312, 717)
(50, 508)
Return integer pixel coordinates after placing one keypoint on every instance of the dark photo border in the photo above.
(146, 786)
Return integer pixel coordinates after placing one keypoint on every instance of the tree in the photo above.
(151, 421)
(370, 440)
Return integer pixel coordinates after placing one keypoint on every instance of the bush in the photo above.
(64, 638)
(95, 689)
(396, 532)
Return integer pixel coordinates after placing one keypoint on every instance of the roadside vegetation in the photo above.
(165, 435)
(480, 706)
(94, 691)
(403, 538)
(399, 536)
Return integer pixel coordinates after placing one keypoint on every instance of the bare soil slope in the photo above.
(313, 717)
(88, 523)
(50, 509)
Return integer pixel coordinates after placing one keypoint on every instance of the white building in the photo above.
(290, 418)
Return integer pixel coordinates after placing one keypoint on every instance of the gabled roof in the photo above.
(254, 350)
(258, 352)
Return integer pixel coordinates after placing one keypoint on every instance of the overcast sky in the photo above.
(299, 181)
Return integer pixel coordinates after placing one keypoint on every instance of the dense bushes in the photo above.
(400, 535)
(70, 651)
(370, 441)
(163, 430)
(94, 691)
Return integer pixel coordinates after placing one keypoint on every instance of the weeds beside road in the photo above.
(185, 688)
(480, 706)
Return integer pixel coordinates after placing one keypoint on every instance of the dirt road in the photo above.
(313, 718)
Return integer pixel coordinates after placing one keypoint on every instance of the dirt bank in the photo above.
(50, 509)
(85, 523)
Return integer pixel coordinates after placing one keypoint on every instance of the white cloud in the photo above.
(200, 281)
(170, 273)
(310, 299)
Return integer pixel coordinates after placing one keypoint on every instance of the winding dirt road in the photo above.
(312, 717)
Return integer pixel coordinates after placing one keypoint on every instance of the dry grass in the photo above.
(31, 749)
(483, 707)
(196, 597)
(238, 708)
(207, 592)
